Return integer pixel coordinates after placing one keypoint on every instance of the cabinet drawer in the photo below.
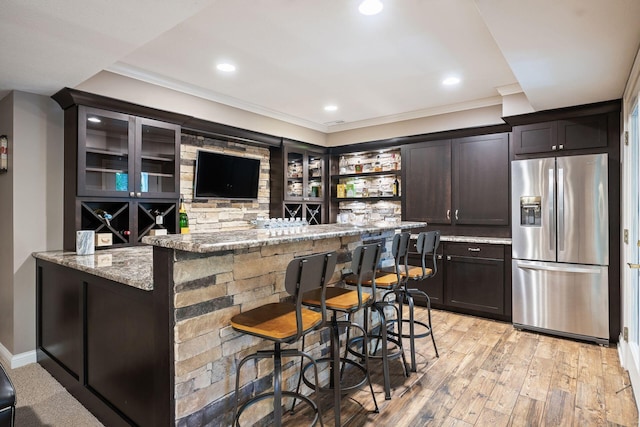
(480, 250)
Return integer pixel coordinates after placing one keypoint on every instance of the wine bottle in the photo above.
(184, 219)
(396, 187)
(343, 165)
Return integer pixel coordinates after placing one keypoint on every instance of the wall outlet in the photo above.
(626, 236)
(625, 333)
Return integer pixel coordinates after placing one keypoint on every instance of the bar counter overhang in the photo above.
(166, 310)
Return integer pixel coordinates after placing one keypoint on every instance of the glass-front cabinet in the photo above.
(298, 187)
(304, 173)
(120, 155)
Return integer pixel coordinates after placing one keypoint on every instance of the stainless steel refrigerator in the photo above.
(560, 241)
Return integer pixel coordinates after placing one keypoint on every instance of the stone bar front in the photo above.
(211, 277)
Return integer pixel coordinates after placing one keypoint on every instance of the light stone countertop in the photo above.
(131, 266)
(241, 239)
(474, 239)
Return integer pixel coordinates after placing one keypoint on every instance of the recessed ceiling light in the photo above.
(226, 67)
(94, 120)
(330, 108)
(449, 81)
(370, 7)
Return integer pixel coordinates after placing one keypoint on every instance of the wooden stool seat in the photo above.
(275, 321)
(336, 299)
(384, 280)
(414, 272)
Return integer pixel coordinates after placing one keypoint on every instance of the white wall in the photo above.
(629, 173)
(36, 180)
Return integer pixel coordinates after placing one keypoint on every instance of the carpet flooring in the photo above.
(42, 401)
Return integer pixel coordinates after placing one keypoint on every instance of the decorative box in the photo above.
(104, 239)
(158, 232)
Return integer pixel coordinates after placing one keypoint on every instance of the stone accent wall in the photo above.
(359, 212)
(209, 289)
(221, 214)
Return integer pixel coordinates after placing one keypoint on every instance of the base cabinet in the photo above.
(107, 343)
(475, 277)
(471, 278)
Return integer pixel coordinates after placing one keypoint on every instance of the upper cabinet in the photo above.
(304, 174)
(461, 181)
(298, 182)
(427, 177)
(481, 180)
(572, 134)
(121, 155)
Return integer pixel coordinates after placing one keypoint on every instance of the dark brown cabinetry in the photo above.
(572, 134)
(461, 181)
(122, 175)
(298, 183)
(475, 277)
(427, 182)
(107, 343)
(472, 278)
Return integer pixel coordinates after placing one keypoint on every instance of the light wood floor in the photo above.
(490, 374)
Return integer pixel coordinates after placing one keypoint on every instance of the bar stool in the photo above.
(365, 258)
(7, 400)
(426, 244)
(285, 323)
(389, 282)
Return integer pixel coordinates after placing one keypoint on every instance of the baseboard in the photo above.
(18, 360)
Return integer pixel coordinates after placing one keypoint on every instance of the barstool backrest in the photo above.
(427, 244)
(308, 273)
(364, 263)
(400, 252)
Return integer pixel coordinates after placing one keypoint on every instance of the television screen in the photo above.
(225, 177)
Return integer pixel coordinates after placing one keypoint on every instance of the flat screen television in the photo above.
(222, 176)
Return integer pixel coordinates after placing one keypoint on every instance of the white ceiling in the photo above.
(294, 57)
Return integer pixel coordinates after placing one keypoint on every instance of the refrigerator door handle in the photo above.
(551, 207)
(561, 209)
(564, 267)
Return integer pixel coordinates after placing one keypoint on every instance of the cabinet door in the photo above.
(105, 153)
(157, 161)
(427, 182)
(475, 277)
(294, 172)
(535, 138)
(314, 172)
(582, 132)
(59, 299)
(481, 180)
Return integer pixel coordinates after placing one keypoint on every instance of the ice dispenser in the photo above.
(530, 212)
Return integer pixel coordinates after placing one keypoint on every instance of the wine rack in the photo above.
(107, 217)
(311, 212)
(147, 214)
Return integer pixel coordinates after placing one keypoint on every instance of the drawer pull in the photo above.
(473, 249)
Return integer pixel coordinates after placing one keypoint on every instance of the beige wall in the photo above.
(34, 186)
(484, 116)
(138, 92)
(6, 229)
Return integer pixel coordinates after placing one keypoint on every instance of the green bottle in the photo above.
(184, 219)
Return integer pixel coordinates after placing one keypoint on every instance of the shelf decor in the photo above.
(4, 161)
